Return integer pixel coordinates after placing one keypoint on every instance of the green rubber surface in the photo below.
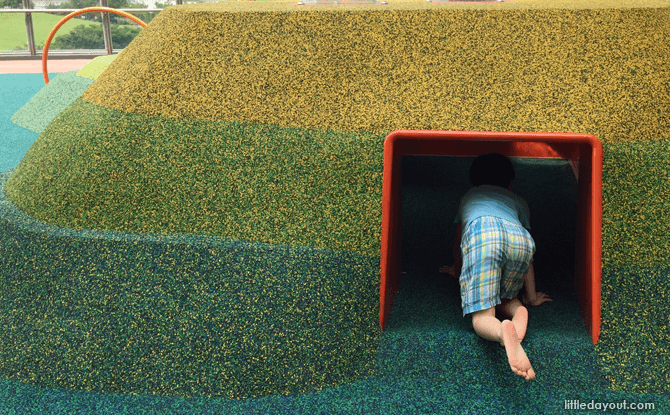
(96, 67)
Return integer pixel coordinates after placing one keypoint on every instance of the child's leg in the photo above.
(488, 327)
(520, 248)
(518, 360)
(514, 310)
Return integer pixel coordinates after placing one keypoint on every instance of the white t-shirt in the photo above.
(488, 200)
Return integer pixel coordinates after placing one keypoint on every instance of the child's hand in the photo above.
(446, 269)
(538, 299)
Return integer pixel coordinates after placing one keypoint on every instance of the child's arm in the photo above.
(532, 297)
(455, 271)
(458, 260)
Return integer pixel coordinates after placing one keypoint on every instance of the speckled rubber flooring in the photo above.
(281, 319)
(422, 363)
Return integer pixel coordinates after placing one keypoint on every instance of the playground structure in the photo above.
(583, 151)
(588, 271)
(152, 107)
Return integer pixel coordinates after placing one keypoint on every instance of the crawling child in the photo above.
(496, 258)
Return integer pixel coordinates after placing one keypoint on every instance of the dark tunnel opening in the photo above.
(432, 187)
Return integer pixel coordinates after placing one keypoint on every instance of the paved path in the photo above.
(35, 66)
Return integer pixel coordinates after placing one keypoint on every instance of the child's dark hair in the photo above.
(492, 169)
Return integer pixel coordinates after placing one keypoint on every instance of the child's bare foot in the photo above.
(516, 356)
(520, 320)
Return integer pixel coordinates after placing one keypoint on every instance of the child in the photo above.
(494, 256)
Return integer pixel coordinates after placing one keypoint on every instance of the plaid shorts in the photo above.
(496, 256)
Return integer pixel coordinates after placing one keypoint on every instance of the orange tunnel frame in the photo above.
(584, 151)
(62, 21)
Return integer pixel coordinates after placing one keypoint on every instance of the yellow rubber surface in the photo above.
(402, 66)
(93, 69)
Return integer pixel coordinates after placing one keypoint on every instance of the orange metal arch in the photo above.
(77, 13)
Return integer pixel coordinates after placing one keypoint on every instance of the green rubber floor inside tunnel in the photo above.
(442, 342)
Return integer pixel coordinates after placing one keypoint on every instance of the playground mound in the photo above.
(267, 123)
(263, 123)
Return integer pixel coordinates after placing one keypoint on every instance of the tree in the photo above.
(81, 4)
(113, 18)
(14, 4)
(145, 17)
(90, 37)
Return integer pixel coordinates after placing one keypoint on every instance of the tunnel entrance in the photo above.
(559, 175)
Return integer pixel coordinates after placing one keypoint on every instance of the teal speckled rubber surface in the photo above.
(15, 91)
(50, 101)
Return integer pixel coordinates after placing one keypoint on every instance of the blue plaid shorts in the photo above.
(496, 256)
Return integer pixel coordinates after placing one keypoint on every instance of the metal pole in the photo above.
(29, 28)
(106, 28)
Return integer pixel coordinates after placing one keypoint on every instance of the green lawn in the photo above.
(14, 29)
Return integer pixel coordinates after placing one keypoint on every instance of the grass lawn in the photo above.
(14, 29)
